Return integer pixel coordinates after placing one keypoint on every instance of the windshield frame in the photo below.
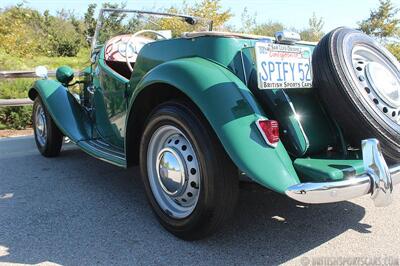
(188, 19)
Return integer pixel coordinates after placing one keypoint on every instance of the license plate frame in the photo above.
(281, 66)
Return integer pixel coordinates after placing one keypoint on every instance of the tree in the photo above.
(394, 48)
(20, 31)
(211, 9)
(382, 22)
(208, 9)
(268, 29)
(89, 21)
(113, 22)
(25, 32)
(63, 38)
(249, 25)
(248, 21)
(314, 31)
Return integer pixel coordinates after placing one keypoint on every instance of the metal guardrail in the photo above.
(30, 74)
(23, 74)
(15, 102)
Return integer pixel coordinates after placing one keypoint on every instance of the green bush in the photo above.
(18, 117)
(63, 38)
(15, 88)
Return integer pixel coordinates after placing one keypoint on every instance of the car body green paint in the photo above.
(111, 103)
(217, 74)
(70, 118)
(64, 74)
(330, 169)
(64, 109)
(233, 120)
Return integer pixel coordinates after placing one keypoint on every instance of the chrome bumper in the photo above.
(378, 181)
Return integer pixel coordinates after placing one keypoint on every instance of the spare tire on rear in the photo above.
(358, 81)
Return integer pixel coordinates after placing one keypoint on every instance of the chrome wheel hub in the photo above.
(173, 172)
(40, 125)
(384, 83)
(380, 81)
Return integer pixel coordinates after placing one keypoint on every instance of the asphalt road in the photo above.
(76, 210)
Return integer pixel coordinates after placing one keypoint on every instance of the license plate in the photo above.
(283, 66)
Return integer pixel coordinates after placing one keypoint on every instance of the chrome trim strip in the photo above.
(376, 182)
(104, 150)
(298, 120)
(244, 69)
(84, 146)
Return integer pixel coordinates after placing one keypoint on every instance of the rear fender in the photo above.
(66, 112)
(231, 110)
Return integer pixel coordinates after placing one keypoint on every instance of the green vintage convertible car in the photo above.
(201, 111)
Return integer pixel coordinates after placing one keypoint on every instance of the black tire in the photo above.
(346, 91)
(50, 146)
(219, 178)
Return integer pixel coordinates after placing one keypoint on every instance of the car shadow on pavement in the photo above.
(76, 210)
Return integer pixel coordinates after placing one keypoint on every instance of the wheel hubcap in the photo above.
(380, 81)
(173, 172)
(384, 83)
(40, 125)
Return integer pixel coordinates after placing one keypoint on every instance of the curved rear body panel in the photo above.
(231, 110)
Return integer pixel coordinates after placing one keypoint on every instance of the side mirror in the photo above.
(65, 74)
(41, 72)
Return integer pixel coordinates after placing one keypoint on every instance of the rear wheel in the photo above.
(190, 182)
(48, 137)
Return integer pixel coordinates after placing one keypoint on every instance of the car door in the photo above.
(110, 105)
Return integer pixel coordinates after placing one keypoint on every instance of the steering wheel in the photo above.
(131, 40)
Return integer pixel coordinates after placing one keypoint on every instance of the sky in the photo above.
(292, 13)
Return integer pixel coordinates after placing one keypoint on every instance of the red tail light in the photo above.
(269, 130)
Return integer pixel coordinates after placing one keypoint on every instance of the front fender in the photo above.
(63, 108)
(231, 110)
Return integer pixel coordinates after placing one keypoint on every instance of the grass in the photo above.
(9, 62)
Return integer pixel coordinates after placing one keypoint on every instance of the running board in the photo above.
(104, 151)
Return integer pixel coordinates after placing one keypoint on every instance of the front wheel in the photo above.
(190, 182)
(48, 137)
